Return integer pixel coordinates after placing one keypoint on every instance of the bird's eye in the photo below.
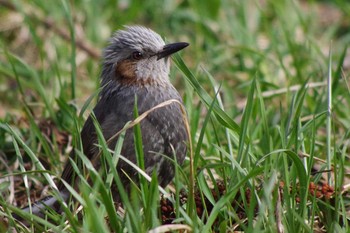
(137, 55)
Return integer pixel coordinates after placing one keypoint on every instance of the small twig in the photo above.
(292, 88)
(303, 155)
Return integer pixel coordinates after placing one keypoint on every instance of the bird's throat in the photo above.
(125, 73)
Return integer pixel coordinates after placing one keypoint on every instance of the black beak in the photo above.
(170, 49)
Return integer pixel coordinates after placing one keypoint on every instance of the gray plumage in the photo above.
(135, 63)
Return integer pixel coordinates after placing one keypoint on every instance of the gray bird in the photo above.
(135, 64)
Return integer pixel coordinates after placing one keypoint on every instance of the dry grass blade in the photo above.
(171, 227)
(292, 88)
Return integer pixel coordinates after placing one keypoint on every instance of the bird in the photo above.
(135, 69)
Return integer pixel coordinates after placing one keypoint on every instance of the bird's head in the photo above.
(138, 56)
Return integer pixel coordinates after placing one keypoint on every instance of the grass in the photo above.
(265, 85)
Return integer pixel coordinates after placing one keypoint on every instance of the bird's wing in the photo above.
(162, 131)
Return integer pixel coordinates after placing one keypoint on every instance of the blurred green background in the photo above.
(283, 50)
